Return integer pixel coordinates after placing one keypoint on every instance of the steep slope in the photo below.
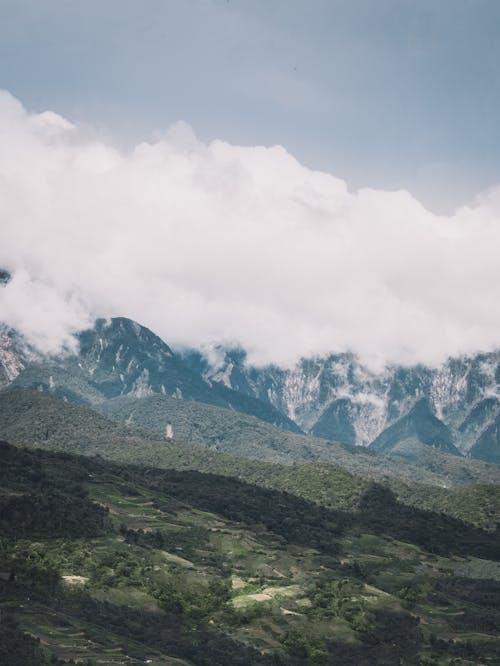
(15, 355)
(337, 397)
(487, 447)
(124, 358)
(120, 357)
(62, 378)
(337, 421)
(419, 426)
(481, 416)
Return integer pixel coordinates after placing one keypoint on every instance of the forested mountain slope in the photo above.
(31, 416)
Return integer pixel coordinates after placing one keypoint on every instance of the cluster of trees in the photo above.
(51, 513)
(305, 523)
(189, 542)
(171, 633)
(338, 597)
(48, 501)
(477, 599)
(46, 497)
(28, 566)
(381, 513)
(294, 519)
(390, 639)
(17, 647)
(387, 638)
(196, 604)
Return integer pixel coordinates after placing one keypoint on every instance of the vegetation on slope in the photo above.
(33, 417)
(188, 568)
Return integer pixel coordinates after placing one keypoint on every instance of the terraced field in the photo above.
(166, 580)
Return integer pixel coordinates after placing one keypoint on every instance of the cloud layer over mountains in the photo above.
(217, 242)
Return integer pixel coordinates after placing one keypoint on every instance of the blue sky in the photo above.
(386, 93)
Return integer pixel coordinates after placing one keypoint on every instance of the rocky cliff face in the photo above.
(15, 355)
(338, 398)
(335, 397)
(120, 357)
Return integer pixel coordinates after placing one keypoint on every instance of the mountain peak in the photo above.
(419, 426)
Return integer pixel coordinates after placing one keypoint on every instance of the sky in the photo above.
(390, 94)
(294, 177)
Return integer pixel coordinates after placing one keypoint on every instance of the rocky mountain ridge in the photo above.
(338, 398)
(335, 398)
(120, 357)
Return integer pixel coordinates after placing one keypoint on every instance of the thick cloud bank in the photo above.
(239, 244)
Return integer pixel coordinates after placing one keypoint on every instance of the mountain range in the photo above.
(161, 507)
(454, 409)
(120, 357)
(339, 398)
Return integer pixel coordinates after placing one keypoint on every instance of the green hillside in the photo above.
(175, 567)
(420, 427)
(33, 417)
(232, 432)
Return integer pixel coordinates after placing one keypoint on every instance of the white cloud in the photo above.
(221, 242)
